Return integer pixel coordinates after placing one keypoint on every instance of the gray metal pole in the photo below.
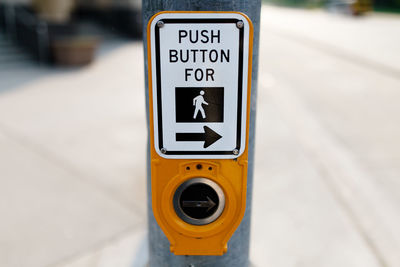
(238, 246)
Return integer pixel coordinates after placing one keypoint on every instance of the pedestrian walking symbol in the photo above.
(198, 101)
(199, 104)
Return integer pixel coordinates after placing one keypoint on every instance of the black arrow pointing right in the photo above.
(209, 137)
(199, 204)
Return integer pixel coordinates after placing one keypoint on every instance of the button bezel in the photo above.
(199, 180)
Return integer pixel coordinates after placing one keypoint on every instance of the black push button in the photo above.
(199, 201)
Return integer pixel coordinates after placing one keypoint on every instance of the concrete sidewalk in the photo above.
(73, 161)
(332, 83)
(72, 152)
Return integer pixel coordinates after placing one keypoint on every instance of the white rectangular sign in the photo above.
(199, 77)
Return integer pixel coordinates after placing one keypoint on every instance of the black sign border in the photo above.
(240, 85)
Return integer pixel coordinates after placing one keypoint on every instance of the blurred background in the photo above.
(73, 134)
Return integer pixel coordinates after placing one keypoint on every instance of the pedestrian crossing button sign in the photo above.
(199, 77)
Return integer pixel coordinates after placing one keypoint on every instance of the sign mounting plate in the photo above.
(199, 84)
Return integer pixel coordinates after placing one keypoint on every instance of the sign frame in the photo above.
(243, 81)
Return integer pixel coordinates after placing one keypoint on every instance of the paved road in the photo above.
(327, 190)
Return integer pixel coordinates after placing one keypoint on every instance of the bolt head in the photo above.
(163, 150)
(160, 24)
(235, 152)
(239, 24)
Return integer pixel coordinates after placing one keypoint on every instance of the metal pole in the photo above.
(238, 246)
(10, 23)
(43, 42)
